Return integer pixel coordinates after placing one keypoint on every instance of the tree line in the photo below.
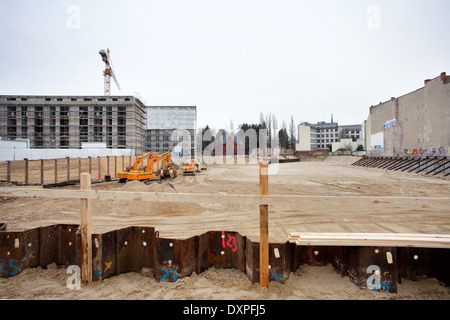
(285, 136)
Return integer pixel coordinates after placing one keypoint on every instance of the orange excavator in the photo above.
(150, 172)
(190, 168)
(123, 175)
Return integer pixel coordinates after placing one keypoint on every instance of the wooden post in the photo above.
(86, 232)
(90, 165)
(99, 169)
(42, 171)
(68, 168)
(107, 165)
(26, 171)
(8, 171)
(56, 170)
(79, 169)
(263, 227)
(115, 166)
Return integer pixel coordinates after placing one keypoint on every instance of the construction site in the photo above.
(153, 220)
(335, 230)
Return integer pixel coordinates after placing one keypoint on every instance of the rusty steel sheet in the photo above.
(18, 251)
(413, 263)
(374, 268)
(221, 249)
(57, 244)
(279, 261)
(103, 255)
(439, 265)
(175, 259)
(134, 249)
(315, 255)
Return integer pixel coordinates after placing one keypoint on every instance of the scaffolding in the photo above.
(120, 123)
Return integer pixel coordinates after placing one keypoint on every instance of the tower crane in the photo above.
(109, 72)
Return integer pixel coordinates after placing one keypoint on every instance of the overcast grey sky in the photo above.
(232, 59)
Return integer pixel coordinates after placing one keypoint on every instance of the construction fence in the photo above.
(60, 171)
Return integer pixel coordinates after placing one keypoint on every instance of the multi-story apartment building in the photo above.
(163, 121)
(68, 121)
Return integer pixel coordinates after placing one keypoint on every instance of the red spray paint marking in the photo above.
(230, 239)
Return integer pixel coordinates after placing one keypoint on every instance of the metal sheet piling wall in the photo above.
(131, 249)
(428, 165)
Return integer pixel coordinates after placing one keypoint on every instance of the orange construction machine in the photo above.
(152, 171)
(190, 168)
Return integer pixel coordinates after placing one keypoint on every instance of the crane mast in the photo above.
(109, 72)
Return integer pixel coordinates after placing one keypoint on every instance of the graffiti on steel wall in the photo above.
(169, 274)
(426, 152)
(7, 267)
(374, 280)
(230, 243)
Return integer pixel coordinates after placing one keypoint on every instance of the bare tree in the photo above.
(262, 122)
(274, 128)
(292, 133)
(269, 128)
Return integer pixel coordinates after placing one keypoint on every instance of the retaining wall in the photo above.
(132, 248)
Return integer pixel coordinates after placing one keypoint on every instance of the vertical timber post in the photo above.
(26, 171)
(115, 166)
(99, 168)
(56, 170)
(79, 169)
(263, 227)
(86, 232)
(42, 171)
(68, 168)
(8, 171)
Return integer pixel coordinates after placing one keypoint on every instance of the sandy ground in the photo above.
(334, 176)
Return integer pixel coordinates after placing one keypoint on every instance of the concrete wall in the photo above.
(304, 138)
(37, 154)
(344, 144)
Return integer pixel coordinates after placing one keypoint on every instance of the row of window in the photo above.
(70, 99)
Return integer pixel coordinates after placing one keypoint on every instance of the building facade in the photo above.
(322, 135)
(417, 123)
(66, 122)
(167, 126)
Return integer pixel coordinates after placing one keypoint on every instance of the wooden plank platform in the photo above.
(414, 240)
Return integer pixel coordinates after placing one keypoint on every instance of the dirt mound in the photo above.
(153, 208)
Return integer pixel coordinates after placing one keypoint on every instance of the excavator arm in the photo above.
(140, 160)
